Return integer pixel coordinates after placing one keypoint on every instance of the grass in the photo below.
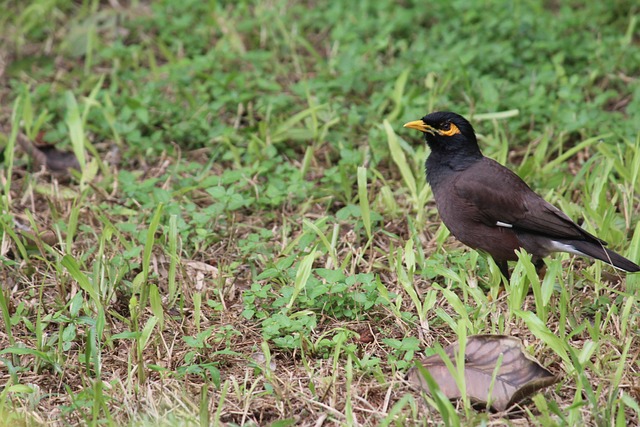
(251, 241)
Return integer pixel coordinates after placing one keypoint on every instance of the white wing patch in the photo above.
(503, 224)
(563, 247)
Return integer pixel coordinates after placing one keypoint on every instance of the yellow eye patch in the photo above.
(453, 130)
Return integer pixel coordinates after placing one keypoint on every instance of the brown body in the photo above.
(473, 202)
(488, 207)
(457, 213)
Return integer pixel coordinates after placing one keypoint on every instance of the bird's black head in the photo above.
(447, 132)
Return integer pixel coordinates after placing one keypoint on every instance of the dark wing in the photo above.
(500, 196)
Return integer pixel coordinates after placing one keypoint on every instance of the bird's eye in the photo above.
(445, 126)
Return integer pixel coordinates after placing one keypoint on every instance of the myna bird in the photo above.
(488, 207)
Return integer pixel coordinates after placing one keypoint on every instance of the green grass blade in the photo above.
(363, 197)
(400, 160)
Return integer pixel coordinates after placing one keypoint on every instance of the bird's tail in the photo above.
(597, 251)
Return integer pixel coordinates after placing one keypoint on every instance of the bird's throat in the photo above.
(440, 166)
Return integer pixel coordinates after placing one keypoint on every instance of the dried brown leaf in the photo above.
(47, 155)
(48, 237)
(519, 375)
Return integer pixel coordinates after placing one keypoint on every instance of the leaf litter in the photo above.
(498, 372)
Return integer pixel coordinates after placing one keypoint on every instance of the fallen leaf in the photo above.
(518, 376)
(47, 155)
(259, 358)
(366, 335)
(45, 236)
(202, 266)
(199, 270)
(48, 237)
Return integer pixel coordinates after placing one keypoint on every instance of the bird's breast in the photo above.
(464, 222)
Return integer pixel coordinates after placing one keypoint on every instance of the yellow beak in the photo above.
(420, 125)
